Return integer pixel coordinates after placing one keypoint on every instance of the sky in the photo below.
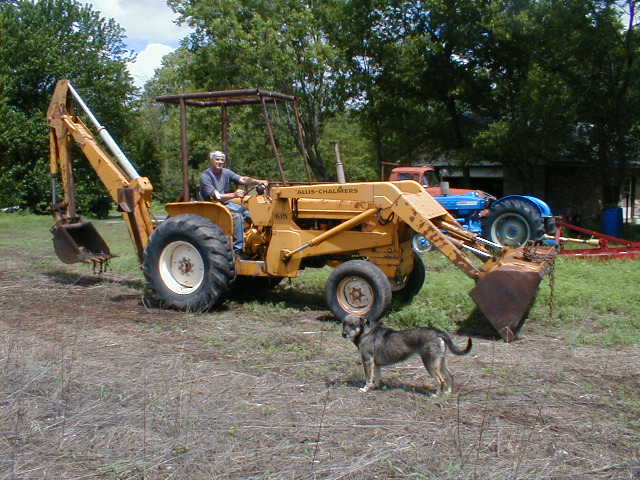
(150, 29)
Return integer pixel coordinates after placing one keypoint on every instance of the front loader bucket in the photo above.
(79, 242)
(505, 293)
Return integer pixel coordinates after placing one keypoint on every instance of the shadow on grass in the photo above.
(385, 386)
(288, 298)
(82, 280)
(476, 325)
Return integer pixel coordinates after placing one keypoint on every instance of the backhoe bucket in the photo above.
(79, 242)
(505, 293)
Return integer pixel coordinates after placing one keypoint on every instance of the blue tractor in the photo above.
(512, 220)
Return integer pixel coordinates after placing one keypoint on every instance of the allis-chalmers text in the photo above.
(325, 190)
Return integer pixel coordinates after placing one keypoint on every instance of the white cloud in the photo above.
(147, 61)
(145, 21)
(150, 29)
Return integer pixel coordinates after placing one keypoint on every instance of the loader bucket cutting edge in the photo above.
(506, 293)
(79, 242)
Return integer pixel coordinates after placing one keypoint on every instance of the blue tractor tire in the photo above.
(513, 223)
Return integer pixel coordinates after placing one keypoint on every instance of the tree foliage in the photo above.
(567, 87)
(43, 41)
(417, 67)
(518, 82)
(279, 45)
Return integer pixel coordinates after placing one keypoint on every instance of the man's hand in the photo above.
(216, 196)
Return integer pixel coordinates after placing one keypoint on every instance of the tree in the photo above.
(279, 45)
(596, 57)
(519, 82)
(565, 87)
(416, 64)
(160, 126)
(60, 39)
(529, 111)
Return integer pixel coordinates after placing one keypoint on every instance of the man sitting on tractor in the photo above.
(214, 185)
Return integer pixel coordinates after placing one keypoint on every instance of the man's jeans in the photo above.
(240, 214)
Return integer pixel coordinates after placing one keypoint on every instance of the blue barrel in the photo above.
(612, 222)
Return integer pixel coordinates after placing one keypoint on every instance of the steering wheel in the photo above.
(259, 188)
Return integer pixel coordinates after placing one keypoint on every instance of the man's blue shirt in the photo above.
(219, 181)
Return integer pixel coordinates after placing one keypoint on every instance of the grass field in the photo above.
(593, 301)
(93, 384)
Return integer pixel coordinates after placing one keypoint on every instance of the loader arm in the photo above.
(507, 279)
(75, 240)
(409, 201)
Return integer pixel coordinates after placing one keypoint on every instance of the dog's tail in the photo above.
(452, 346)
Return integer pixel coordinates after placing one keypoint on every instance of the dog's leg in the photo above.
(367, 367)
(369, 374)
(430, 364)
(441, 373)
(376, 375)
(446, 377)
(440, 367)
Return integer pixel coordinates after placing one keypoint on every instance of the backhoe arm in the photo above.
(76, 241)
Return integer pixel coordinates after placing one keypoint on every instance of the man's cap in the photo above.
(217, 154)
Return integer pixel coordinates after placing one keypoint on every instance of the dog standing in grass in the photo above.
(380, 346)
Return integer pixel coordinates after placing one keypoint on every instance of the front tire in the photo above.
(188, 264)
(360, 288)
(514, 223)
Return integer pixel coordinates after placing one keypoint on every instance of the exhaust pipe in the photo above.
(339, 165)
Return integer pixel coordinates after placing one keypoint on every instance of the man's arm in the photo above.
(243, 180)
(252, 181)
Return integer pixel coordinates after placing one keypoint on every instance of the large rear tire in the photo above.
(358, 287)
(514, 223)
(188, 264)
(414, 281)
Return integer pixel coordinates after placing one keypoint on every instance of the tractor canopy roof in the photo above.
(221, 98)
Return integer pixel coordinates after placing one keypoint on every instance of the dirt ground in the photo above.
(95, 385)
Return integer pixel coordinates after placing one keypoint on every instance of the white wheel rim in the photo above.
(181, 267)
(510, 229)
(355, 295)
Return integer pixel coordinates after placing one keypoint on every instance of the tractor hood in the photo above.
(461, 199)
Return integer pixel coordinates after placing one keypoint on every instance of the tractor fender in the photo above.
(541, 205)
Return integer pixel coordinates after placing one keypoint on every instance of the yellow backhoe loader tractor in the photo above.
(362, 229)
